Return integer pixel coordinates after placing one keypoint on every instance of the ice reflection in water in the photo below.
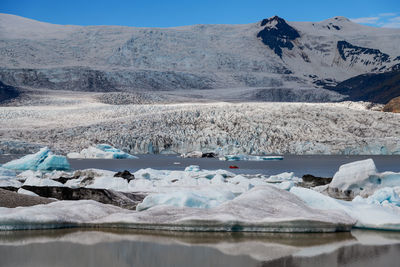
(70, 247)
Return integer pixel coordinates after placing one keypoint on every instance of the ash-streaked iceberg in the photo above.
(101, 151)
(44, 160)
(262, 209)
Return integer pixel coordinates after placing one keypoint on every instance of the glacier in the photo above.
(101, 151)
(44, 160)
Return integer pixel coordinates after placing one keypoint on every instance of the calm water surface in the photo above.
(318, 165)
(106, 248)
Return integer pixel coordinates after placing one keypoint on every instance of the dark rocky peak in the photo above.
(352, 52)
(273, 20)
(277, 34)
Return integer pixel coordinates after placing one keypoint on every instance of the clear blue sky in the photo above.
(157, 13)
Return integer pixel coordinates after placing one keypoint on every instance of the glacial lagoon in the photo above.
(111, 247)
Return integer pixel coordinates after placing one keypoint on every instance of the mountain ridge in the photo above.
(42, 55)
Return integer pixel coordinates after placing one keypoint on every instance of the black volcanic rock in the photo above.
(377, 88)
(277, 34)
(312, 181)
(120, 199)
(125, 175)
(347, 50)
(7, 92)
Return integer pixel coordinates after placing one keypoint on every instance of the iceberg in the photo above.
(43, 160)
(261, 209)
(101, 151)
(240, 157)
(383, 196)
(285, 176)
(194, 199)
(369, 216)
(6, 173)
(360, 178)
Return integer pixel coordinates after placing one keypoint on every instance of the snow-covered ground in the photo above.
(68, 122)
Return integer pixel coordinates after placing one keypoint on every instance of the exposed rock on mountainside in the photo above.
(378, 88)
(277, 34)
(354, 54)
(7, 92)
(393, 105)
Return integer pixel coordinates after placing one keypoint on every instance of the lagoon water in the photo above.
(101, 247)
(317, 165)
(124, 247)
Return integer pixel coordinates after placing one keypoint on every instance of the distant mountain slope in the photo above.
(7, 92)
(378, 88)
(271, 54)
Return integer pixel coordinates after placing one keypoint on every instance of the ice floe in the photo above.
(43, 160)
(101, 151)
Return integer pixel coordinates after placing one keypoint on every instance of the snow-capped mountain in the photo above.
(270, 54)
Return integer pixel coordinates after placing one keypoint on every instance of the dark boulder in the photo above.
(209, 155)
(120, 199)
(312, 181)
(125, 175)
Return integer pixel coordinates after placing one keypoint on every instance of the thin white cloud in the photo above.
(366, 20)
(395, 19)
(386, 20)
(387, 14)
(391, 25)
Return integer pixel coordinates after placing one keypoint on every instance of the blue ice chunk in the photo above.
(54, 162)
(42, 160)
(28, 162)
(117, 153)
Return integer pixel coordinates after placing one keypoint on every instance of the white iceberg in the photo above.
(6, 173)
(240, 157)
(43, 160)
(263, 208)
(193, 154)
(101, 151)
(35, 181)
(370, 216)
(285, 176)
(362, 178)
(26, 192)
